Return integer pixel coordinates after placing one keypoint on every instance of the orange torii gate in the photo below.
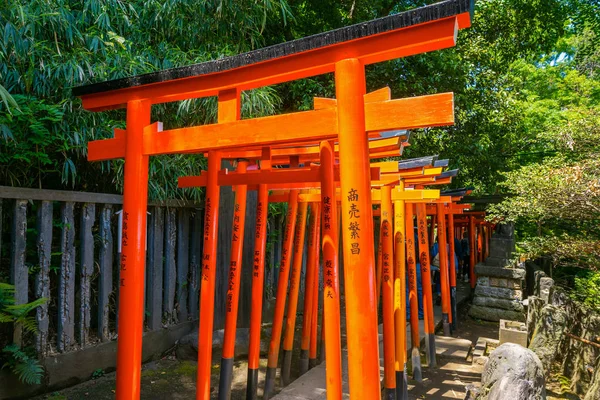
(345, 52)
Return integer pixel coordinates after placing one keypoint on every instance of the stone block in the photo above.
(514, 284)
(513, 332)
(502, 243)
(498, 262)
(483, 281)
(512, 305)
(498, 293)
(494, 314)
(511, 273)
(501, 251)
(498, 282)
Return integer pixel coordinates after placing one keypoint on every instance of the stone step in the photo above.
(494, 271)
(451, 347)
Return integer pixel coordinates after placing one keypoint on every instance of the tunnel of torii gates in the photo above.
(344, 171)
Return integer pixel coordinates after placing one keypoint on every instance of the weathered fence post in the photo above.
(183, 252)
(195, 263)
(154, 269)
(105, 280)
(18, 271)
(42, 279)
(170, 273)
(66, 280)
(88, 217)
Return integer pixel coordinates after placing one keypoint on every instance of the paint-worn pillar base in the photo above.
(454, 309)
(322, 354)
(446, 324)
(401, 385)
(270, 383)
(389, 394)
(430, 346)
(226, 378)
(313, 362)
(286, 367)
(252, 384)
(416, 365)
(304, 365)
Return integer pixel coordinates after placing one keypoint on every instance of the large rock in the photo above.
(512, 373)
(549, 333)
(594, 389)
(581, 356)
(187, 347)
(495, 314)
(534, 308)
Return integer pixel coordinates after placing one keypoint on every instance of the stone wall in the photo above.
(555, 326)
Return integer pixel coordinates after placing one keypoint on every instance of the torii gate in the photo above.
(344, 51)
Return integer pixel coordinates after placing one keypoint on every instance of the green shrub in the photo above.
(21, 362)
(587, 289)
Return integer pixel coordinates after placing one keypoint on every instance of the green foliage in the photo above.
(20, 361)
(99, 373)
(17, 313)
(27, 368)
(587, 289)
(47, 47)
(6, 99)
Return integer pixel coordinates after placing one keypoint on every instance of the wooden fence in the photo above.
(63, 246)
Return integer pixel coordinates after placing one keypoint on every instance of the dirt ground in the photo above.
(167, 378)
(170, 378)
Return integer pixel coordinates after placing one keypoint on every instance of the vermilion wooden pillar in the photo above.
(444, 278)
(284, 273)
(207, 286)
(309, 287)
(426, 280)
(357, 217)
(258, 276)
(228, 111)
(290, 321)
(400, 297)
(413, 296)
(386, 239)
(331, 282)
(379, 266)
(313, 344)
(233, 290)
(133, 256)
(451, 238)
